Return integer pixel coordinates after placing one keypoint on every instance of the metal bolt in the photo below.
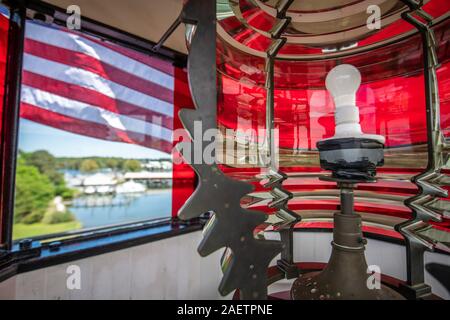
(25, 244)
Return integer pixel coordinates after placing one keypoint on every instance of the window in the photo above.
(95, 134)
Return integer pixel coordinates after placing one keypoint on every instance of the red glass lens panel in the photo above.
(183, 177)
(4, 25)
(260, 20)
(391, 101)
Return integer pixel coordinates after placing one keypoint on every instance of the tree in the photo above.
(34, 191)
(42, 160)
(89, 165)
(112, 163)
(47, 164)
(132, 165)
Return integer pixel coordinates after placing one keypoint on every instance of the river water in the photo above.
(95, 211)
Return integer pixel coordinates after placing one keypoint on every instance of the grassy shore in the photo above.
(21, 230)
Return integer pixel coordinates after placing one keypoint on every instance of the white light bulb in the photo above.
(343, 82)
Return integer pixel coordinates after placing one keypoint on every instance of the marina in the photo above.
(102, 210)
(108, 197)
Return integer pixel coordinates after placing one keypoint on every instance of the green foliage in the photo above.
(37, 183)
(33, 217)
(47, 164)
(53, 216)
(89, 165)
(34, 191)
(132, 165)
(66, 193)
(21, 230)
(113, 163)
(40, 159)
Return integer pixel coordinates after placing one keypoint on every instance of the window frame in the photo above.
(10, 120)
(70, 245)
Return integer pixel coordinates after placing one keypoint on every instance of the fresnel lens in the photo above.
(342, 110)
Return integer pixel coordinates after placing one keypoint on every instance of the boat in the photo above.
(130, 187)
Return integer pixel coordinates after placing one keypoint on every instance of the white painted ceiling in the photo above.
(148, 19)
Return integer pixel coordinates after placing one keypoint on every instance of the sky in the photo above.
(34, 136)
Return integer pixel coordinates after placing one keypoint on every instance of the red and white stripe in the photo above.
(83, 85)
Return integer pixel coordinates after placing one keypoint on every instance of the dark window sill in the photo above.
(41, 255)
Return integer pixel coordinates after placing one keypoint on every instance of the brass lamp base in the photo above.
(305, 289)
(346, 276)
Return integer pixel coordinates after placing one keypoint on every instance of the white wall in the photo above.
(165, 269)
(172, 269)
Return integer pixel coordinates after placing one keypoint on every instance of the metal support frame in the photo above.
(286, 218)
(246, 259)
(430, 181)
(9, 134)
(230, 226)
(167, 34)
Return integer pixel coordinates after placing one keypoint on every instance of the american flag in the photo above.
(83, 85)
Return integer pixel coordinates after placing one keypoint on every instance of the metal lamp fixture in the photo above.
(353, 157)
(350, 154)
